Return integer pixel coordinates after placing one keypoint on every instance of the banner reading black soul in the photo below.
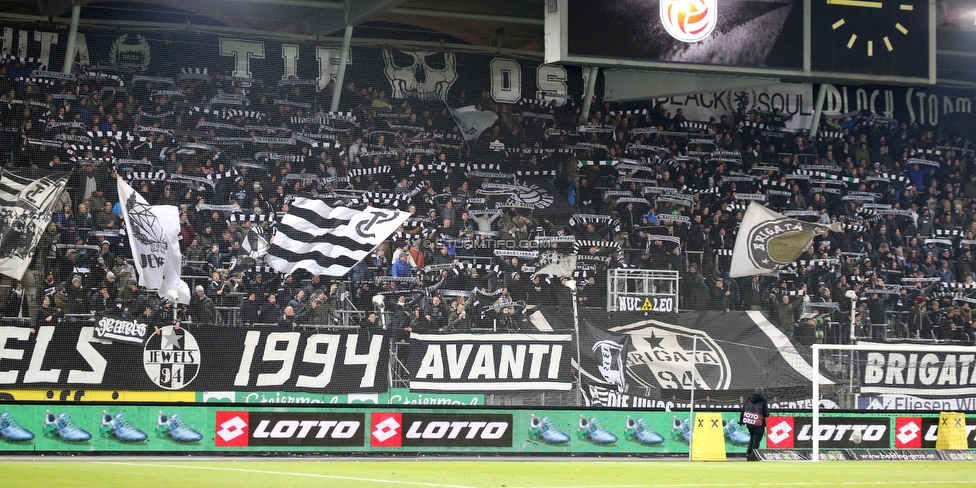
(201, 359)
(639, 361)
(490, 362)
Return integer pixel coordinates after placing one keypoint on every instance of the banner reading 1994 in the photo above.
(198, 359)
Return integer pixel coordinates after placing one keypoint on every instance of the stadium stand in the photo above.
(634, 185)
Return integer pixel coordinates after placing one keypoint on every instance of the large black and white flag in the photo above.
(25, 209)
(329, 241)
(10, 187)
(472, 121)
(769, 241)
(154, 232)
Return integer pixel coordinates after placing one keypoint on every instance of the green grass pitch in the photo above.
(573, 473)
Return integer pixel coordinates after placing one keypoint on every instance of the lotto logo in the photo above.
(386, 429)
(908, 432)
(780, 433)
(232, 429)
(391, 429)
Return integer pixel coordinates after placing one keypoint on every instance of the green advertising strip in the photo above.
(395, 396)
(229, 428)
(235, 428)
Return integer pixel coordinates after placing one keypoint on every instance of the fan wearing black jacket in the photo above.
(47, 314)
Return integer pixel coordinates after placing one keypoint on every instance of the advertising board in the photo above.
(386, 429)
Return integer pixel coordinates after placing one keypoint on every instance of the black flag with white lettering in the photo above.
(603, 363)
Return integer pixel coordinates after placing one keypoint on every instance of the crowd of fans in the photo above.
(630, 186)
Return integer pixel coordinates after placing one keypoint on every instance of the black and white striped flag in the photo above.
(329, 241)
(25, 210)
(10, 187)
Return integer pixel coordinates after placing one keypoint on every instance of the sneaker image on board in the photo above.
(11, 431)
(173, 427)
(736, 433)
(681, 430)
(544, 430)
(121, 429)
(591, 430)
(61, 427)
(638, 431)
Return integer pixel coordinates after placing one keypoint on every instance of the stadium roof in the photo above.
(513, 27)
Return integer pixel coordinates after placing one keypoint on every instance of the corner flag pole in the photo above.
(691, 410)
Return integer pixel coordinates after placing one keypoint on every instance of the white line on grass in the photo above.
(785, 483)
(287, 473)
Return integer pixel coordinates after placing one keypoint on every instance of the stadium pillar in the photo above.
(588, 91)
(818, 110)
(341, 74)
(69, 55)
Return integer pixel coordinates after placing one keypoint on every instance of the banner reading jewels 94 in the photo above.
(198, 359)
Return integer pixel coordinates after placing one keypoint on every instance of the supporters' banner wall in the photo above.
(638, 362)
(385, 430)
(505, 79)
(204, 359)
(435, 75)
(642, 362)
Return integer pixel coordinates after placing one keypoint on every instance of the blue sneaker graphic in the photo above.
(11, 431)
(591, 430)
(544, 430)
(121, 429)
(681, 430)
(63, 428)
(174, 428)
(637, 430)
(736, 433)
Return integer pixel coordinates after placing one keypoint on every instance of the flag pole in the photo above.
(571, 283)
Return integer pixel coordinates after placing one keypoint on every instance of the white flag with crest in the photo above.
(154, 232)
(769, 241)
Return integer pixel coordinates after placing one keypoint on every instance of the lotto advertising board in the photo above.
(394, 396)
(385, 429)
(372, 430)
(859, 431)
